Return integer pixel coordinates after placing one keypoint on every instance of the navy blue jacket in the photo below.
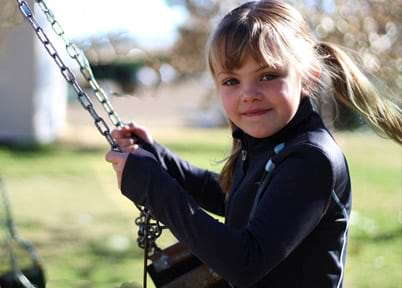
(298, 233)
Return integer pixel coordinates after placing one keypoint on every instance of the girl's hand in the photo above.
(124, 136)
(118, 161)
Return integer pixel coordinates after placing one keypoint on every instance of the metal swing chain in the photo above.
(77, 54)
(149, 229)
(154, 228)
(68, 75)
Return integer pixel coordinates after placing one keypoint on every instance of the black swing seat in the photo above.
(30, 274)
(177, 267)
(34, 273)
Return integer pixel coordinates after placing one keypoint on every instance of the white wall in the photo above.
(32, 91)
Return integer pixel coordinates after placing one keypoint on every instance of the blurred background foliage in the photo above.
(369, 30)
(372, 28)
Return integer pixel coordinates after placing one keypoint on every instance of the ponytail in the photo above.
(354, 90)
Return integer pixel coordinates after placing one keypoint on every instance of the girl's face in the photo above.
(258, 99)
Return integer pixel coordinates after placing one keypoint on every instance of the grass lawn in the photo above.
(64, 200)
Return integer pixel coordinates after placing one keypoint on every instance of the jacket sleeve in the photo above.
(290, 208)
(201, 184)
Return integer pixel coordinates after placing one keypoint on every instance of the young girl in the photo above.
(285, 190)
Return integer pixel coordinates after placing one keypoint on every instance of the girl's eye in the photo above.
(267, 77)
(230, 82)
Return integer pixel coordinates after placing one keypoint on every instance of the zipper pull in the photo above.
(243, 155)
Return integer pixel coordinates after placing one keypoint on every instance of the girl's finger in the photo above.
(134, 128)
(117, 133)
(125, 142)
(114, 157)
(131, 125)
(130, 149)
(138, 130)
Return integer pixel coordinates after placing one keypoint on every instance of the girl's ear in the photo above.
(312, 81)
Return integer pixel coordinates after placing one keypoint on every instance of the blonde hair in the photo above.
(274, 33)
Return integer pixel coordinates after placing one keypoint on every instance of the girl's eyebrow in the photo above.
(224, 73)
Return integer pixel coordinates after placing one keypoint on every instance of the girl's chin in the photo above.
(259, 133)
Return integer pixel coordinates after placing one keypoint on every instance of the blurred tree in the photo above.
(187, 54)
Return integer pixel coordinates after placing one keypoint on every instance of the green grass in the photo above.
(64, 200)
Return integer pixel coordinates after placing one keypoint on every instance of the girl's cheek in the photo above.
(225, 104)
(228, 92)
(224, 96)
(228, 104)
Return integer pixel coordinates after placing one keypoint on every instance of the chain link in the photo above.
(149, 229)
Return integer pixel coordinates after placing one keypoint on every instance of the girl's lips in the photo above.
(256, 112)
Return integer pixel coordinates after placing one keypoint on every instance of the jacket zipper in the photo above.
(243, 155)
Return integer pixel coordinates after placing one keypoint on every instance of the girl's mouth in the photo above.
(255, 112)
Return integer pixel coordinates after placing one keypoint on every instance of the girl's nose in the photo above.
(251, 93)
